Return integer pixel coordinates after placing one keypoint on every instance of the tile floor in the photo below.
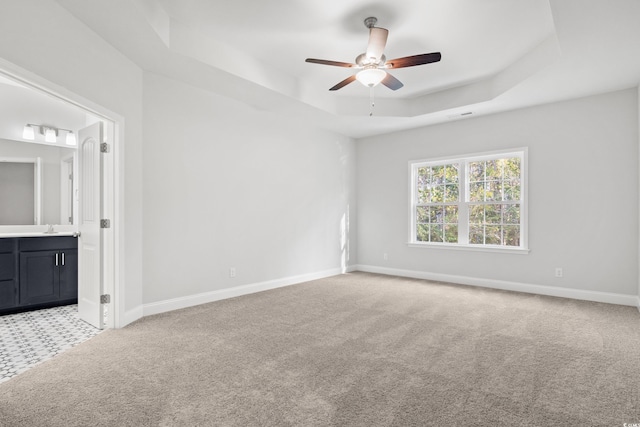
(27, 339)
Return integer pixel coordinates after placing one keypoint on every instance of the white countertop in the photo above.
(8, 231)
(36, 234)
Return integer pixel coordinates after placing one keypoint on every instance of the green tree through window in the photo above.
(474, 201)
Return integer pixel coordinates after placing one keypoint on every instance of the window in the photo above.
(476, 201)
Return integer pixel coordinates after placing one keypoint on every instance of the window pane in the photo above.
(437, 214)
(437, 174)
(451, 174)
(424, 195)
(492, 235)
(422, 214)
(436, 233)
(476, 234)
(512, 189)
(423, 176)
(422, 232)
(476, 192)
(476, 171)
(476, 214)
(512, 168)
(437, 194)
(512, 235)
(492, 191)
(492, 214)
(451, 214)
(511, 214)
(451, 193)
(493, 170)
(451, 233)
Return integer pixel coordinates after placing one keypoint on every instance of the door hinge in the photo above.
(105, 299)
(104, 147)
(105, 223)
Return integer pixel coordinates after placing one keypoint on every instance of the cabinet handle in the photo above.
(63, 258)
(56, 259)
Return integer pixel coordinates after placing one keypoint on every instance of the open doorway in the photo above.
(32, 101)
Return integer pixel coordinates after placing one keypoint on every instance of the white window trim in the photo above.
(522, 152)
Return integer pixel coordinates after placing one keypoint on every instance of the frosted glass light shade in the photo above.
(28, 133)
(371, 76)
(71, 138)
(50, 135)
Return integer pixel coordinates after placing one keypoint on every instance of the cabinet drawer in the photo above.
(7, 266)
(48, 243)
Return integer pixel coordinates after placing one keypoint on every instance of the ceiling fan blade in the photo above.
(343, 83)
(334, 63)
(377, 42)
(411, 61)
(391, 82)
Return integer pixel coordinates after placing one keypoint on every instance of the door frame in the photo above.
(68, 195)
(113, 187)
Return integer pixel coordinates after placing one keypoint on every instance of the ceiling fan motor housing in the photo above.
(363, 61)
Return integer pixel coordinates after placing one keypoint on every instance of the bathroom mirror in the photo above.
(20, 191)
(36, 184)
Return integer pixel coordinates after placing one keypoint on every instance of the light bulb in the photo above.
(50, 135)
(28, 133)
(71, 138)
(371, 76)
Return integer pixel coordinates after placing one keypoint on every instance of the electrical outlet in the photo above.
(232, 272)
(558, 271)
(385, 256)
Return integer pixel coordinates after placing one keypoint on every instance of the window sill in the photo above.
(472, 248)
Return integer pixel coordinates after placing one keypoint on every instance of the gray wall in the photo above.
(583, 194)
(227, 186)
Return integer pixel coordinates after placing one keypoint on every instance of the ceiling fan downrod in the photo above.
(370, 22)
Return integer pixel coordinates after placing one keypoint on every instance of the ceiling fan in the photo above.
(373, 64)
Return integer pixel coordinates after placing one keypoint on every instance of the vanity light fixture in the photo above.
(50, 133)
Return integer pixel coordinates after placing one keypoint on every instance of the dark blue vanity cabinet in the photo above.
(38, 272)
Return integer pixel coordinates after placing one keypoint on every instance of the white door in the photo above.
(89, 212)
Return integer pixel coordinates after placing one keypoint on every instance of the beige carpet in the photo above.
(353, 350)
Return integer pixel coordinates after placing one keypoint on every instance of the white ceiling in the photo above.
(496, 54)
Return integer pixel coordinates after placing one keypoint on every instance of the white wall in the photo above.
(583, 194)
(41, 37)
(50, 164)
(227, 186)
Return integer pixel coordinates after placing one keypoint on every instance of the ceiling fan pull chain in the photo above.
(372, 100)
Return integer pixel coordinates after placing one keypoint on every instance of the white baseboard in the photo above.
(130, 316)
(611, 298)
(205, 297)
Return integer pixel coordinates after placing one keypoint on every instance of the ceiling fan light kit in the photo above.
(373, 63)
(371, 77)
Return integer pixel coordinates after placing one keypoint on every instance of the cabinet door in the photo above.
(68, 274)
(39, 277)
